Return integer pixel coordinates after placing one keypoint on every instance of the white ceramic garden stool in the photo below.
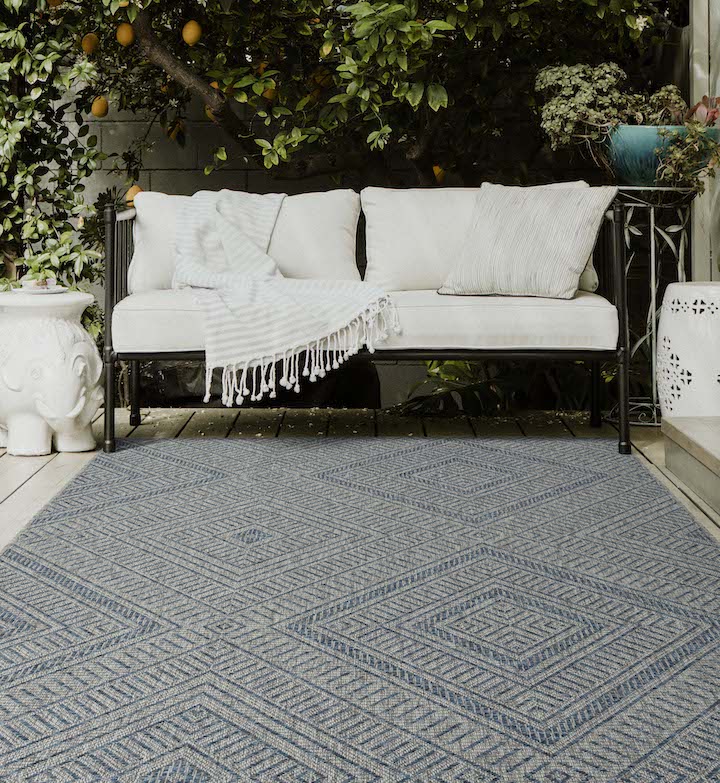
(688, 353)
(49, 373)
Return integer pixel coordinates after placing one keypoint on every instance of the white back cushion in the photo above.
(315, 237)
(414, 235)
(153, 260)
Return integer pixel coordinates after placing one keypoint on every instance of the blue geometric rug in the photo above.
(307, 611)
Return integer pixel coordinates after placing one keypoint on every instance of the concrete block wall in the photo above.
(171, 168)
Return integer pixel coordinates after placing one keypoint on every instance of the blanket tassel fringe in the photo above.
(257, 378)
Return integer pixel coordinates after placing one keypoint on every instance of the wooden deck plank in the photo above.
(162, 423)
(257, 423)
(447, 427)
(496, 427)
(579, 425)
(345, 422)
(544, 424)
(18, 509)
(210, 423)
(392, 425)
(123, 428)
(304, 423)
(15, 471)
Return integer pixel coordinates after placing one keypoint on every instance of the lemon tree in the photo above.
(398, 91)
(316, 86)
(46, 151)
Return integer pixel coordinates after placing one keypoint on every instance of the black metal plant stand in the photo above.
(661, 217)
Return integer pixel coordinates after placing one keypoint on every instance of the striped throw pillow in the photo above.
(529, 241)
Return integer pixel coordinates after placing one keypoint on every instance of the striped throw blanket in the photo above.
(261, 328)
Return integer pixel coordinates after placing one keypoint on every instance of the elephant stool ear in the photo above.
(79, 365)
(87, 362)
(11, 374)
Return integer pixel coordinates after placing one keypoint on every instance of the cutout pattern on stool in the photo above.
(673, 377)
(688, 350)
(697, 305)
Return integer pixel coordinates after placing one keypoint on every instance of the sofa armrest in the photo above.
(118, 253)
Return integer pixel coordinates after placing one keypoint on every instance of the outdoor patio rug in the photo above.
(361, 610)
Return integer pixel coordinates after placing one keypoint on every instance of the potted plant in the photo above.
(643, 139)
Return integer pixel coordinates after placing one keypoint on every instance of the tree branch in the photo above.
(320, 165)
(419, 154)
(216, 101)
(224, 114)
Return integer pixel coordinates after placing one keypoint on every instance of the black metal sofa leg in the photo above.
(109, 444)
(134, 393)
(623, 402)
(595, 386)
(623, 351)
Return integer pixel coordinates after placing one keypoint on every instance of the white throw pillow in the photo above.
(529, 241)
(315, 237)
(414, 235)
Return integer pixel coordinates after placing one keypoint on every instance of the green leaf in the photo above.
(415, 93)
(435, 25)
(437, 96)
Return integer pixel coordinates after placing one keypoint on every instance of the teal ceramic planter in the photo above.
(632, 151)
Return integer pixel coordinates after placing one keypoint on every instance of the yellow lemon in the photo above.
(173, 131)
(90, 43)
(130, 195)
(100, 107)
(125, 34)
(191, 32)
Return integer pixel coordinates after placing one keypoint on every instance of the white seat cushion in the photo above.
(158, 321)
(432, 320)
(164, 321)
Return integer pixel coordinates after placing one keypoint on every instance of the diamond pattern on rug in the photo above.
(360, 611)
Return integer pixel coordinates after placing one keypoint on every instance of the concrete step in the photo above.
(692, 453)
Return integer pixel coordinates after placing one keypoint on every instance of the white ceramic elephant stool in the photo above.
(49, 373)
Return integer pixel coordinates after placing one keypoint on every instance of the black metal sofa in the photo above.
(118, 253)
